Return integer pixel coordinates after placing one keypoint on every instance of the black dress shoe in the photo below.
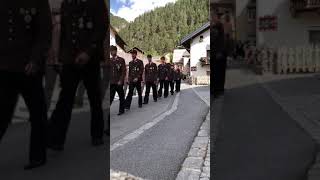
(55, 147)
(97, 142)
(145, 103)
(120, 113)
(140, 106)
(34, 164)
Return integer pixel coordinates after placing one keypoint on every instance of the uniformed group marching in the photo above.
(164, 75)
(25, 40)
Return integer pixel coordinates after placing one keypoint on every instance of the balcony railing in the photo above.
(297, 6)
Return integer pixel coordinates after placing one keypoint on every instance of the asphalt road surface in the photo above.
(79, 161)
(159, 152)
(258, 140)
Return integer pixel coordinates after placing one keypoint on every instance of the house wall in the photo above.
(198, 50)
(291, 31)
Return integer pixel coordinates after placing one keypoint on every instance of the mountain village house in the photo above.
(273, 22)
(197, 44)
(181, 59)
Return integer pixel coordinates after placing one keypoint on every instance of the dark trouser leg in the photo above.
(112, 92)
(171, 87)
(105, 81)
(129, 96)
(146, 96)
(166, 88)
(154, 91)
(9, 97)
(161, 88)
(33, 94)
(50, 82)
(139, 91)
(92, 80)
(223, 73)
(178, 83)
(80, 94)
(121, 95)
(61, 116)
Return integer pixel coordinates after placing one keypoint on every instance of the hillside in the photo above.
(159, 31)
(117, 22)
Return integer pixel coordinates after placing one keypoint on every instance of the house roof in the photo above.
(137, 49)
(119, 40)
(186, 40)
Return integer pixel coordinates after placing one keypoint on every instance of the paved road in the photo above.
(159, 152)
(79, 161)
(257, 139)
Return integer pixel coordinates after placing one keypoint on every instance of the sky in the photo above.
(130, 9)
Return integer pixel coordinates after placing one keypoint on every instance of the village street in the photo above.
(267, 127)
(153, 142)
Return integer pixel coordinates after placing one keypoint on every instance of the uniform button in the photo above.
(10, 38)
(73, 41)
(10, 30)
(73, 33)
(10, 21)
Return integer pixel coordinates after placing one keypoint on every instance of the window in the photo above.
(314, 37)
(201, 39)
(251, 14)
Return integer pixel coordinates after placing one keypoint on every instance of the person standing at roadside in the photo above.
(219, 62)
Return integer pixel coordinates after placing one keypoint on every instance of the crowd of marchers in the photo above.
(165, 75)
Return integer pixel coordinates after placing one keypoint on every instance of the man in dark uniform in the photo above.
(83, 30)
(219, 62)
(53, 67)
(151, 76)
(163, 78)
(171, 77)
(178, 76)
(135, 79)
(24, 42)
(118, 73)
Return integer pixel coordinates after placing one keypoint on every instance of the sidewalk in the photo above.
(256, 138)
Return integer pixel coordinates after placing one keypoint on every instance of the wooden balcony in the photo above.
(299, 6)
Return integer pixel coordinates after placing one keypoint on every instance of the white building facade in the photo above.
(198, 45)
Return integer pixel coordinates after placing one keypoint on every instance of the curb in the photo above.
(197, 164)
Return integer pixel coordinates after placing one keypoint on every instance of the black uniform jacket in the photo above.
(25, 33)
(162, 71)
(151, 72)
(118, 70)
(135, 70)
(83, 29)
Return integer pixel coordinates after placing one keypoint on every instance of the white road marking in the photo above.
(135, 134)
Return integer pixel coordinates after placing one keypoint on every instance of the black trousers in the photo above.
(150, 85)
(178, 85)
(115, 88)
(164, 84)
(132, 86)
(71, 75)
(32, 91)
(219, 74)
(171, 83)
